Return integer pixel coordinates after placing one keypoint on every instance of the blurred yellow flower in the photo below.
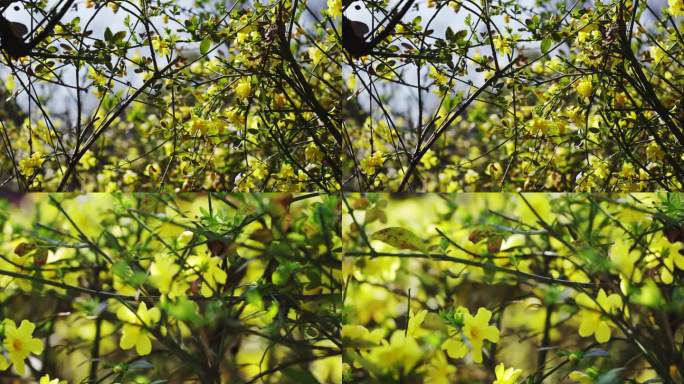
(210, 269)
(243, 88)
(161, 46)
(46, 380)
(29, 165)
(20, 343)
(584, 87)
(593, 321)
(676, 7)
(370, 163)
(429, 160)
(506, 376)
(438, 370)
(163, 273)
(134, 331)
(477, 329)
(334, 8)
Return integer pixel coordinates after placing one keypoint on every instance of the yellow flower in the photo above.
(260, 170)
(580, 377)
(129, 177)
(198, 125)
(676, 7)
(209, 268)
(328, 369)
(286, 171)
(316, 55)
(152, 170)
(134, 332)
(415, 321)
(471, 176)
(440, 78)
(455, 348)
(540, 125)
(593, 321)
(584, 87)
(656, 53)
(20, 343)
(429, 160)
(506, 376)
(243, 88)
(654, 152)
(28, 166)
(401, 351)
(494, 170)
(625, 262)
(184, 238)
(438, 370)
(88, 160)
(668, 255)
(627, 170)
(46, 380)
(370, 163)
(160, 46)
(97, 77)
(359, 336)
(163, 273)
(312, 153)
(502, 45)
(477, 330)
(9, 83)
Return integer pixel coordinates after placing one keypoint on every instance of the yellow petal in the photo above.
(587, 326)
(679, 260)
(125, 314)
(142, 310)
(206, 290)
(483, 316)
(153, 315)
(18, 365)
(491, 333)
(129, 337)
(35, 346)
(26, 328)
(143, 346)
(499, 371)
(602, 332)
(455, 348)
(584, 300)
(477, 352)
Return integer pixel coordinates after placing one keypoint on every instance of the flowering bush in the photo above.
(149, 96)
(502, 95)
(513, 288)
(151, 288)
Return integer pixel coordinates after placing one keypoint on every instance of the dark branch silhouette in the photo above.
(11, 33)
(354, 32)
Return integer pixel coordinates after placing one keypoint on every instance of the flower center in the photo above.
(17, 345)
(474, 333)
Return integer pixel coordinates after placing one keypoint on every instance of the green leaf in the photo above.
(449, 34)
(610, 377)
(204, 46)
(460, 35)
(119, 36)
(546, 45)
(140, 364)
(399, 238)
